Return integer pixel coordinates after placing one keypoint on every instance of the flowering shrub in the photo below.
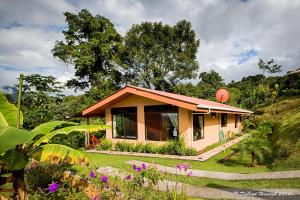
(140, 184)
(40, 175)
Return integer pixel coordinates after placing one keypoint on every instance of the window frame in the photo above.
(226, 119)
(120, 112)
(203, 122)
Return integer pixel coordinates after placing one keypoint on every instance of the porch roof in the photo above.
(190, 103)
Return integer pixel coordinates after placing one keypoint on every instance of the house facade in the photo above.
(142, 115)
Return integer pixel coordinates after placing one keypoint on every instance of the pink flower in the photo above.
(190, 173)
(183, 166)
(128, 177)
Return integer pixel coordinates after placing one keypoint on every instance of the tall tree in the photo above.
(159, 56)
(40, 99)
(209, 83)
(269, 66)
(91, 44)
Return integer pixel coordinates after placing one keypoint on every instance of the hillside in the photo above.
(285, 113)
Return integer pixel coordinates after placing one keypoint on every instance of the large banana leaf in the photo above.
(51, 126)
(9, 111)
(67, 130)
(57, 152)
(3, 122)
(14, 160)
(11, 136)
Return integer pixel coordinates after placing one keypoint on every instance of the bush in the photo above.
(138, 147)
(164, 149)
(190, 151)
(150, 148)
(104, 144)
(42, 174)
(177, 146)
(124, 146)
(172, 147)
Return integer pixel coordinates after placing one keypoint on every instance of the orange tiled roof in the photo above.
(193, 100)
(191, 103)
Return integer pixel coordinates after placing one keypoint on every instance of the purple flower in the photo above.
(144, 166)
(128, 177)
(53, 187)
(190, 173)
(92, 174)
(138, 169)
(104, 179)
(134, 167)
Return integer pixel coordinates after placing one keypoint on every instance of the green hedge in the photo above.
(172, 147)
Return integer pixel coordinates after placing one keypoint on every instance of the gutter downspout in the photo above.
(208, 112)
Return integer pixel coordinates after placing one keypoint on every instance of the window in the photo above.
(161, 122)
(223, 119)
(237, 120)
(198, 127)
(124, 122)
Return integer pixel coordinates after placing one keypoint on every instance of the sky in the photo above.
(233, 34)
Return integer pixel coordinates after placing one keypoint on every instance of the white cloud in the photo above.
(225, 28)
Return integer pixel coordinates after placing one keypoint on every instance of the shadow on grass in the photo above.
(256, 193)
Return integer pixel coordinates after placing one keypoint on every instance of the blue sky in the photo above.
(233, 34)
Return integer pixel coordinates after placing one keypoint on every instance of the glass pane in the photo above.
(153, 127)
(198, 127)
(223, 119)
(124, 123)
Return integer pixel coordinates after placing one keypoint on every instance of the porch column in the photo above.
(141, 123)
(108, 122)
(185, 125)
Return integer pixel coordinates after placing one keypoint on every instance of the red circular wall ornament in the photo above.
(222, 95)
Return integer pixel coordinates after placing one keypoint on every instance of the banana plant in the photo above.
(18, 146)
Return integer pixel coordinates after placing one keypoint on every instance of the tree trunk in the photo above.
(20, 192)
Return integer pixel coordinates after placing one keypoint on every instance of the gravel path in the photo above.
(224, 175)
(202, 157)
(214, 193)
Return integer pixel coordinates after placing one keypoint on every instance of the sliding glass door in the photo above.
(161, 122)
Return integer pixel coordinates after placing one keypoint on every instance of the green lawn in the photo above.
(117, 161)
(233, 165)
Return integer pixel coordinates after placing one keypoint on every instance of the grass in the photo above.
(232, 165)
(100, 160)
(286, 137)
(212, 146)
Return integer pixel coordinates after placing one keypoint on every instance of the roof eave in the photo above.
(224, 109)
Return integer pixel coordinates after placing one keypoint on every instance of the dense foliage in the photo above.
(91, 45)
(159, 56)
(172, 147)
(140, 184)
(18, 146)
